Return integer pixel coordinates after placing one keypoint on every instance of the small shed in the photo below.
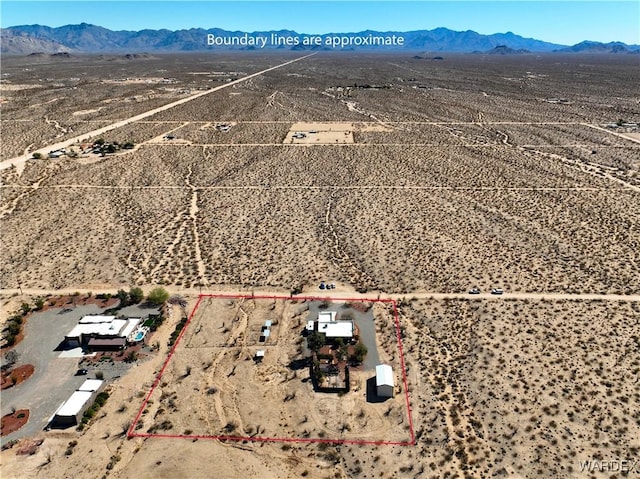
(264, 335)
(71, 411)
(259, 355)
(93, 386)
(384, 381)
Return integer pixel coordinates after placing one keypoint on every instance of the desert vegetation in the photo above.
(239, 397)
(463, 172)
(523, 387)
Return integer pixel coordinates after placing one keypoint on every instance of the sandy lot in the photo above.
(213, 387)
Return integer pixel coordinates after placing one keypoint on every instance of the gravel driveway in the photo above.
(53, 380)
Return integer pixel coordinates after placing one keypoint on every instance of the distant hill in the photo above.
(445, 40)
(598, 47)
(505, 50)
(17, 43)
(87, 38)
(91, 39)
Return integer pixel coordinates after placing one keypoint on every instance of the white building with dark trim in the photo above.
(384, 381)
(101, 332)
(70, 412)
(333, 328)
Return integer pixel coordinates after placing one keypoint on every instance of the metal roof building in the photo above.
(337, 329)
(92, 385)
(100, 327)
(71, 411)
(384, 380)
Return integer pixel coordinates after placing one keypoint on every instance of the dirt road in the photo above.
(342, 293)
(20, 161)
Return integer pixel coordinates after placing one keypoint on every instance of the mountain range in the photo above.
(86, 38)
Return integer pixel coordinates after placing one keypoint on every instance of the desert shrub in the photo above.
(315, 341)
(11, 357)
(136, 295)
(114, 459)
(176, 332)
(13, 328)
(102, 398)
(158, 296)
(123, 296)
(359, 352)
(39, 303)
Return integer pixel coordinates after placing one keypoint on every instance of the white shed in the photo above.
(71, 411)
(384, 381)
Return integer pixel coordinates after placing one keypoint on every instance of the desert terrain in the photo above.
(273, 398)
(391, 176)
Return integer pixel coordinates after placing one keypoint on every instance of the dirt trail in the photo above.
(193, 216)
(597, 171)
(171, 225)
(337, 294)
(21, 160)
(8, 209)
(340, 257)
(63, 131)
(619, 135)
(316, 187)
(184, 221)
(169, 252)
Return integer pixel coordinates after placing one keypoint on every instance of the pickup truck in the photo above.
(496, 291)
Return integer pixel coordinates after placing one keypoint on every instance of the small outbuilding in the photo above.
(71, 411)
(384, 381)
(266, 332)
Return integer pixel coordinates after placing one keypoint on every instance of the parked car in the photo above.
(82, 372)
(474, 291)
(497, 291)
(322, 286)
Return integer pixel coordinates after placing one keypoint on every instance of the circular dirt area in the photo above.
(16, 376)
(13, 422)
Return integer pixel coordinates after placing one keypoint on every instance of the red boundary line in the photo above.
(131, 432)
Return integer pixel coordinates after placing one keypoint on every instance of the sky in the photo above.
(562, 22)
